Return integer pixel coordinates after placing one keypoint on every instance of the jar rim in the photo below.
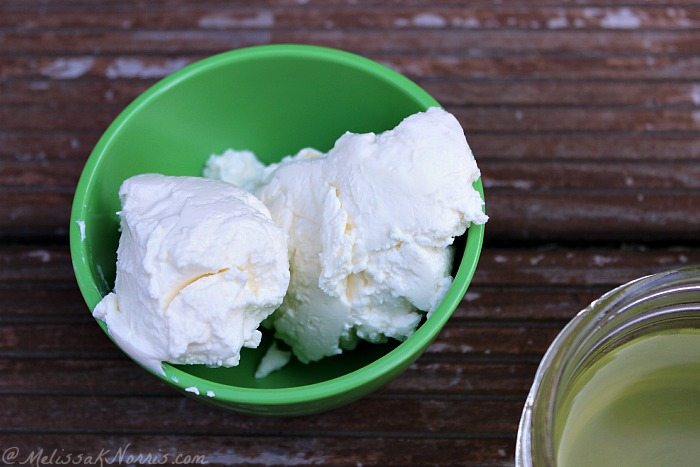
(536, 428)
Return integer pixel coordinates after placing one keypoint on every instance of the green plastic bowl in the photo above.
(273, 100)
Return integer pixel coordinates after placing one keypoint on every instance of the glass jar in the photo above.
(663, 301)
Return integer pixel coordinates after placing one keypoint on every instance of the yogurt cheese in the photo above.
(369, 227)
(240, 168)
(244, 170)
(200, 265)
(274, 359)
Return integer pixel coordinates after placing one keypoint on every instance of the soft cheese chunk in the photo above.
(244, 170)
(199, 265)
(240, 168)
(369, 228)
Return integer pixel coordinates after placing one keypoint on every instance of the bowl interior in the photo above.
(271, 103)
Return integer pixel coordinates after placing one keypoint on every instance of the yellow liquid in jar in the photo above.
(637, 406)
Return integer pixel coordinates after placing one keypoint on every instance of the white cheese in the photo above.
(199, 265)
(240, 168)
(244, 170)
(369, 228)
(273, 360)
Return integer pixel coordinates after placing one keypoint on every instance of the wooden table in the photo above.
(585, 119)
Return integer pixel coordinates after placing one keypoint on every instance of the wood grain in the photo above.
(78, 340)
(546, 67)
(160, 5)
(504, 93)
(43, 148)
(601, 147)
(391, 417)
(424, 15)
(584, 116)
(241, 449)
(601, 216)
(439, 66)
(91, 377)
(453, 42)
(74, 118)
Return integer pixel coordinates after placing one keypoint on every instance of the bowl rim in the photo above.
(401, 355)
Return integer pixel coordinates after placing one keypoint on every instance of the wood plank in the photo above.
(238, 449)
(110, 377)
(475, 15)
(532, 65)
(98, 377)
(85, 340)
(58, 340)
(57, 300)
(128, 5)
(529, 120)
(67, 118)
(464, 377)
(517, 303)
(544, 175)
(40, 177)
(452, 42)
(37, 215)
(468, 93)
(71, 67)
(32, 263)
(390, 417)
(553, 93)
(41, 147)
(501, 17)
(535, 66)
(493, 339)
(75, 117)
(118, 92)
(631, 147)
(584, 216)
(577, 267)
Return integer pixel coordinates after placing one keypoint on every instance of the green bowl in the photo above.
(273, 100)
